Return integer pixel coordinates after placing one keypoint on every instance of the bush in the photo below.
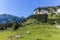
(51, 21)
(15, 25)
(38, 39)
(39, 17)
(42, 18)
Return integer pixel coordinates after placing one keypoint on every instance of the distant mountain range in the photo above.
(4, 18)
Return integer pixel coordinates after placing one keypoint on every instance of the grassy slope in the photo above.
(37, 31)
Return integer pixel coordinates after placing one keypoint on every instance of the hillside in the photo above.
(32, 31)
(34, 27)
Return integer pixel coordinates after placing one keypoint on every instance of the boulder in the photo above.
(9, 39)
(18, 36)
(58, 26)
(28, 32)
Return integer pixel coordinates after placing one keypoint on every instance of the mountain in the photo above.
(4, 18)
(47, 10)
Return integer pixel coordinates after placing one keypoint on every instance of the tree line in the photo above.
(41, 18)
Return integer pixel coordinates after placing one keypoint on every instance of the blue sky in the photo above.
(24, 7)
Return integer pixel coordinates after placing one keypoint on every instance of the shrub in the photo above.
(39, 17)
(38, 39)
(51, 21)
(15, 25)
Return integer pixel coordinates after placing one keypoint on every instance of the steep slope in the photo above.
(47, 10)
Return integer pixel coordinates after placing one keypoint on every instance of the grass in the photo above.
(37, 32)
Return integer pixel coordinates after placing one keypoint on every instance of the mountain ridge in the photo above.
(4, 18)
(47, 10)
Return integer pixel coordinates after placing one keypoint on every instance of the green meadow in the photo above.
(36, 32)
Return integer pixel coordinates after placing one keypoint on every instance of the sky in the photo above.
(24, 7)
